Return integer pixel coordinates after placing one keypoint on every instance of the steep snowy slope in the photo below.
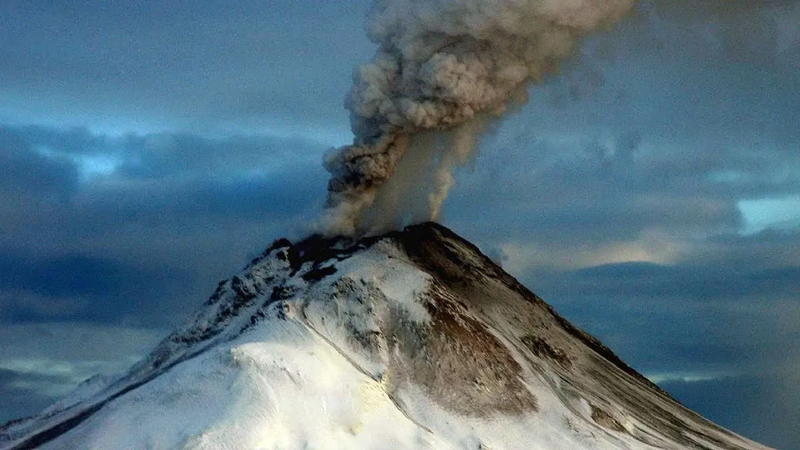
(409, 340)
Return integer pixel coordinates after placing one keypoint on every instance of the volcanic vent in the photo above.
(412, 339)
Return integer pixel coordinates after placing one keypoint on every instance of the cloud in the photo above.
(706, 71)
(49, 360)
(20, 399)
(561, 198)
(747, 30)
(161, 155)
(26, 171)
(759, 406)
(77, 287)
(167, 67)
(144, 235)
(686, 282)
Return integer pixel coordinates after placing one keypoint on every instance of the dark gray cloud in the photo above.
(77, 287)
(712, 70)
(762, 406)
(568, 195)
(176, 64)
(46, 361)
(719, 316)
(160, 155)
(171, 215)
(22, 395)
(27, 171)
(686, 282)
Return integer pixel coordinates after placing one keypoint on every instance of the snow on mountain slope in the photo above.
(409, 340)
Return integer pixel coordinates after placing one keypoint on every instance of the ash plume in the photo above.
(442, 71)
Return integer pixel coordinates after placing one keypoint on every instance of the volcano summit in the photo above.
(409, 340)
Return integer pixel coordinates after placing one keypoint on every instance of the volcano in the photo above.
(409, 340)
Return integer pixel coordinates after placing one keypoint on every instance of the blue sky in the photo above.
(650, 191)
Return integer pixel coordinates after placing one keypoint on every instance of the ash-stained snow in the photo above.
(409, 340)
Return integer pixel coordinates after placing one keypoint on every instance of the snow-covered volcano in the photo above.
(409, 340)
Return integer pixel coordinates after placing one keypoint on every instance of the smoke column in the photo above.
(442, 70)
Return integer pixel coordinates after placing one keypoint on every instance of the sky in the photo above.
(650, 191)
